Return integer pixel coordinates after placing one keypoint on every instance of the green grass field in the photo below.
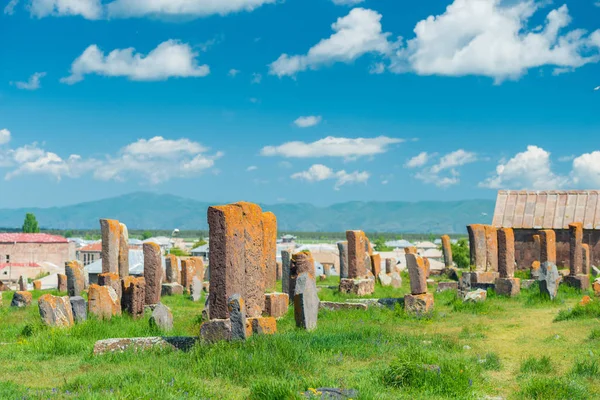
(509, 348)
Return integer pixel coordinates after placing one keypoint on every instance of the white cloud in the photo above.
(33, 83)
(320, 172)
(4, 136)
(252, 168)
(256, 78)
(10, 7)
(89, 9)
(333, 147)
(493, 38)
(347, 2)
(285, 164)
(233, 72)
(169, 59)
(530, 169)
(586, 170)
(356, 34)
(455, 159)
(307, 122)
(377, 68)
(448, 164)
(418, 160)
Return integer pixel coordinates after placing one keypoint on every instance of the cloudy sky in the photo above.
(318, 101)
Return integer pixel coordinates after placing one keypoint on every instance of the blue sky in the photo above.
(318, 101)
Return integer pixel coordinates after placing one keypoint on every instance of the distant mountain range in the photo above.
(159, 211)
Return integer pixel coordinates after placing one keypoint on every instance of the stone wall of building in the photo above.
(23, 253)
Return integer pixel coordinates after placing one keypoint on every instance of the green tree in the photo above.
(146, 235)
(379, 244)
(461, 254)
(68, 234)
(30, 225)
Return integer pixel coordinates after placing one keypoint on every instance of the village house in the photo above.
(90, 253)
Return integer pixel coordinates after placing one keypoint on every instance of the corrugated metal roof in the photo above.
(552, 209)
(31, 238)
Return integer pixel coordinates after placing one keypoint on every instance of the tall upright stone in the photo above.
(390, 265)
(112, 280)
(549, 277)
(269, 223)
(22, 283)
(123, 251)
(188, 271)
(286, 262)
(478, 246)
(447, 250)
(153, 272)
(576, 277)
(586, 263)
(172, 269)
(111, 238)
(103, 302)
(302, 262)
(75, 278)
(491, 248)
(61, 282)
(537, 247)
(376, 264)
(306, 302)
(357, 245)
(56, 311)
(133, 295)
(507, 284)
(547, 246)
(418, 302)
(198, 267)
(343, 249)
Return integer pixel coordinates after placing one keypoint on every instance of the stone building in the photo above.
(90, 253)
(33, 248)
(527, 212)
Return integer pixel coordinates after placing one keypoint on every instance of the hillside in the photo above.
(156, 211)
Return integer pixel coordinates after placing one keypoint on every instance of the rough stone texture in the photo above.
(162, 318)
(585, 300)
(410, 250)
(508, 286)
(476, 296)
(171, 289)
(111, 234)
(360, 287)
(133, 295)
(21, 299)
(396, 280)
(464, 283)
(75, 278)
(482, 277)
(547, 246)
(527, 283)
(537, 247)
(478, 246)
(306, 302)
(549, 277)
(103, 302)
(269, 248)
(276, 304)
(278, 276)
(237, 317)
(357, 244)
(506, 252)
(451, 273)
(172, 269)
(196, 289)
(586, 264)
(78, 308)
(576, 252)
(491, 248)
(22, 283)
(216, 330)
(286, 262)
(390, 265)
(444, 286)
(327, 269)
(330, 305)
(418, 274)
(419, 304)
(384, 279)
(580, 282)
(199, 268)
(261, 326)
(325, 393)
(188, 271)
(447, 250)
(301, 262)
(56, 311)
(535, 269)
(37, 285)
(62, 282)
(427, 266)
(152, 272)
(596, 287)
(343, 250)
(375, 264)
(112, 280)
(123, 251)
(144, 343)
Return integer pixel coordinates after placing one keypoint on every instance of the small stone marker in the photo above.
(123, 251)
(216, 330)
(447, 251)
(306, 302)
(390, 265)
(111, 279)
(55, 311)
(476, 296)
(237, 317)
(343, 250)
(133, 295)
(419, 304)
(22, 283)
(445, 286)
(152, 272)
(103, 302)
(196, 289)
(261, 326)
(61, 282)
(162, 318)
(171, 289)
(37, 285)
(21, 299)
(78, 308)
(286, 261)
(549, 279)
(276, 304)
(111, 237)
(359, 287)
(396, 280)
(384, 279)
(75, 278)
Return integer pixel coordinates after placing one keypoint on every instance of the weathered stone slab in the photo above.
(37, 285)
(196, 289)
(111, 279)
(396, 280)
(62, 283)
(476, 296)
(478, 246)
(343, 250)
(359, 287)
(173, 275)
(199, 268)
(535, 269)
(419, 304)
(357, 254)
(133, 295)
(276, 304)
(390, 265)
(269, 248)
(417, 271)
(445, 286)
(162, 318)
(596, 287)
(237, 317)
(302, 262)
(103, 302)
(22, 283)
(375, 264)
(216, 330)
(586, 262)
(123, 251)
(286, 262)
(78, 308)
(576, 251)
(144, 343)
(21, 299)
(261, 326)
(506, 252)
(482, 277)
(111, 237)
(508, 286)
(55, 311)
(333, 306)
(579, 282)
(447, 251)
(549, 277)
(188, 271)
(171, 289)
(153, 272)
(384, 279)
(75, 278)
(547, 246)
(306, 302)
(491, 248)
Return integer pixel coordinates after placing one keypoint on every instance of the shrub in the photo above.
(461, 254)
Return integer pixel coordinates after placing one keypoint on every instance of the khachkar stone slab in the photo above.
(75, 278)
(56, 311)
(357, 245)
(22, 283)
(79, 308)
(198, 267)
(196, 289)
(216, 330)
(419, 304)
(103, 302)
(123, 251)
(302, 262)
(152, 272)
(171, 289)
(478, 246)
(491, 248)
(279, 271)
(133, 295)
(111, 234)
(21, 299)
(237, 317)
(172, 269)
(144, 343)
(375, 264)
(549, 279)
(37, 285)
(188, 271)
(269, 248)
(580, 282)
(306, 302)
(343, 250)
(417, 271)
(276, 304)
(226, 252)
(62, 282)
(447, 250)
(359, 287)
(575, 253)
(547, 246)
(286, 263)
(390, 265)
(261, 326)
(537, 246)
(112, 280)
(586, 262)
(507, 284)
(161, 318)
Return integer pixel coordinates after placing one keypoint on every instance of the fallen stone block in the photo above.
(144, 343)
(103, 302)
(483, 277)
(360, 287)
(445, 286)
(261, 326)
(331, 394)
(385, 279)
(276, 304)
(55, 311)
(21, 299)
(390, 302)
(216, 330)
(78, 308)
(153, 272)
(419, 304)
(171, 289)
(476, 296)
(306, 302)
(162, 318)
(508, 286)
(333, 306)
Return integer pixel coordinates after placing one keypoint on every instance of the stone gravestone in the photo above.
(61, 282)
(21, 299)
(359, 262)
(286, 260)
(491, 248)
(55, 311)
(301, 262)
(172, 269)
(196, 289)
(123, 251)
(152, 272)
(419, 302)
(375, 264)
(586, 262)
(306, 302)
(78, 308)
(390, 265)
(447, 250)
(37, 285)
(343, 250)
(276, 304)
(478, 246)
(103, 302)
(237, 317)
(75, 278)
(269, 248)
(188, 271)
(111, 279)
(22, 283)
(133, 295)
(507, 284)
(549, 278)
(576, 278)
(111, 238)
(161, 318)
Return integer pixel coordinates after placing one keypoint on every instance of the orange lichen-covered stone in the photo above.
(357, 245)
(547, 246)
(447, 250)
(123, 251)
(55, 311)
(506, 252)
(596, 287)
(376, 264)
(37, 285)
(537, 245)
(276, 304)
(417, 271)
(359, 287)
(410, 250)
(111, 234)
(75, 278)
(110, 279)
(198, 267)
(269, 223)
(133, 295)
(586, 263)
(21, 299)
(301, 262)
(153, 272)
(585, 301)
(188, 271)
(172, 269)
(103, 302)
(419, 305)
(576, 251)
(491, 248)
(508, 286)
(261, 326)
(478, 246)
(62, 282)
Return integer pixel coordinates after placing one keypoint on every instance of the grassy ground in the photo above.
(511, 348)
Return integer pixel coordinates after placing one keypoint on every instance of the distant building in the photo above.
(164, 242)
(90, 253)
(201, 251)
(399, 244)
(35, 248)
(288, 239)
